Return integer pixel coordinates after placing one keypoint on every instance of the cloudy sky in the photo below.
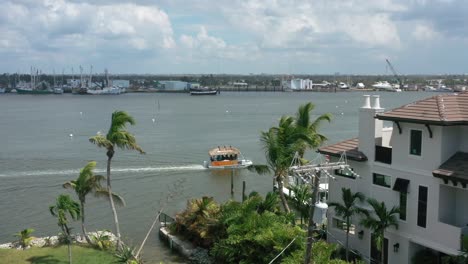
(234, 36)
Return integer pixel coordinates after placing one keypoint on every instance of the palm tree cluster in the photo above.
(293, 134)
(378, 220)
(89, 183)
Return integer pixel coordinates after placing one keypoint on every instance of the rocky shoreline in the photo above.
(52, 241)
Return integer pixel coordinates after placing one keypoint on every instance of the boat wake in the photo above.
(191, 167)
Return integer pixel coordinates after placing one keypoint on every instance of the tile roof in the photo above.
(349, 146)
(444, 109)
(454, 169)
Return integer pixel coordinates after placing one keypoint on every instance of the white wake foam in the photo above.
(192, 167)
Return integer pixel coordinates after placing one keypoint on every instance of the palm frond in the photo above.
(101, 141)
(103, 193)
(259, 169)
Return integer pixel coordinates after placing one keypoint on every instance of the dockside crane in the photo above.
(399, 79)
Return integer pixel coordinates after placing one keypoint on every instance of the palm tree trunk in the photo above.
(347, 239)
(382, 249)
(111, 200)
(310, 227)
(69, 252)
(66, 230)
(281, 193)
(83, 228)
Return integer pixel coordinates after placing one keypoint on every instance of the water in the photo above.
(37, 154)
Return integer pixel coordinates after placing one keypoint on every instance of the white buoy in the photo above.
(342, 113)
(227, 111)
(154, 120)
(71, 135)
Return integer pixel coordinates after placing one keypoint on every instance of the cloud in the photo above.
(424, 32)
(72, 27)
(206, 47)
(248, 35)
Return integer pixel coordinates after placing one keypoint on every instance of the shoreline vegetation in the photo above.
(54, 249)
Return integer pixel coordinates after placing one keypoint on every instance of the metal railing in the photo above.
(165, 219)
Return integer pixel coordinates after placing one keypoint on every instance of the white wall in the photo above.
(450, 141)
(463, 138)
(430, 158)
(447, 205)
(461, 207)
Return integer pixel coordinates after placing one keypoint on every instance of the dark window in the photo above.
(382, 180)
(422, 206)
(416, 142)
(403, 198)
(345, 173)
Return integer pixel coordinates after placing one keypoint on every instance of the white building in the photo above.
(174, 85)
(419, 164)
(298, 84)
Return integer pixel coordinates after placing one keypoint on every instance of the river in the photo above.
(37, 153)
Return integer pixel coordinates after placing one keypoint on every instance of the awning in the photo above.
(401, 185)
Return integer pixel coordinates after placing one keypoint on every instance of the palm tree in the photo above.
(280, 143)
(87, 183)
(301, 199)
(384, 219)
(347, 209)
(63, 206)
(24, 237)
(304, 123)
(117, 137)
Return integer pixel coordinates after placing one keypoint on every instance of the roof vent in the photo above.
(366, 102)
(376, 102)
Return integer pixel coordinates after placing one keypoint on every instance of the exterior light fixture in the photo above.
(396, 247)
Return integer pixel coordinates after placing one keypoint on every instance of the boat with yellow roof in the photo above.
(226, 158)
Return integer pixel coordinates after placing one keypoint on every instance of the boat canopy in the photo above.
(224, 151)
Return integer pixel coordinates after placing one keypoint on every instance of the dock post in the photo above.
(243, 191)
(232, 183)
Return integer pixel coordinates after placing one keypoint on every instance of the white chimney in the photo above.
(376, 102)
(370, 128)
(366, 102)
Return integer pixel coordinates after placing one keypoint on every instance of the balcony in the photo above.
(383, 154)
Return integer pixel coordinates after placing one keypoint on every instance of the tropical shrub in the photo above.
(256, 226)
(101, 240)
(125, 255)
(24, 237)
(196, 222)
(322, 253)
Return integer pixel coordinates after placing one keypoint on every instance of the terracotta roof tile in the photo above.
(445, 109)
(349, 146)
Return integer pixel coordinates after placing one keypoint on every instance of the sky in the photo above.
(234, 36)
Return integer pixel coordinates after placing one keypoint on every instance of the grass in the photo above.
(56, 255)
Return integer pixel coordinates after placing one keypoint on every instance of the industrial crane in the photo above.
(400, 81)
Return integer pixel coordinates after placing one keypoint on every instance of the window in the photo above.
(382, 180)
(403, 199)
(340, 224)
(422, 206)
(415, 142)
(345, 173)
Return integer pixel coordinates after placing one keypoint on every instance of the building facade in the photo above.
(419, 164)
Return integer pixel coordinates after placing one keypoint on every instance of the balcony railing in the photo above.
(383, 154)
